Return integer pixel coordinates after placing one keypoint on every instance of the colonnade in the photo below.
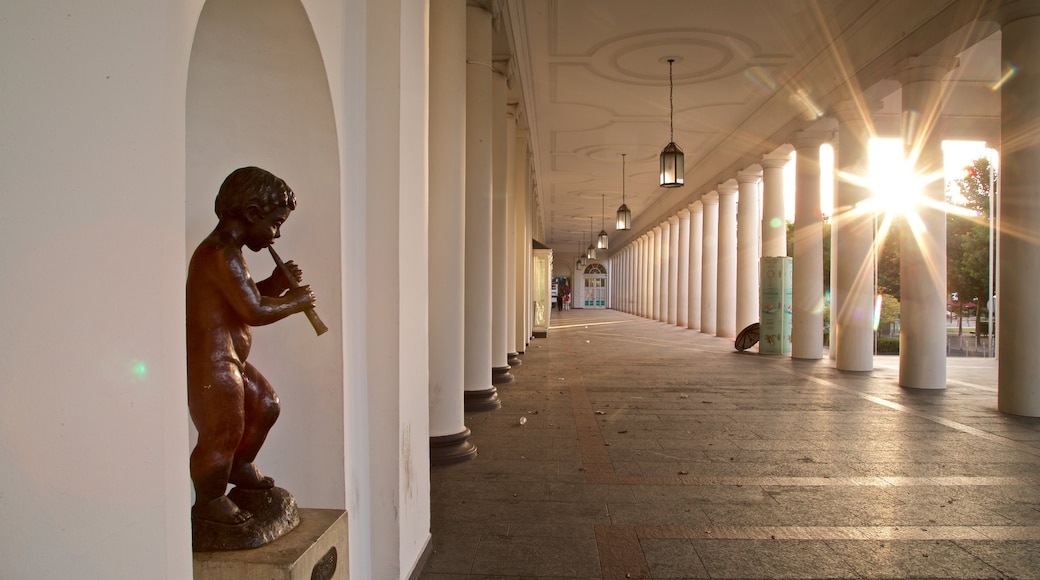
(723, 233)
(480, 273)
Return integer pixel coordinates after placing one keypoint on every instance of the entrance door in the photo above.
(595, 295)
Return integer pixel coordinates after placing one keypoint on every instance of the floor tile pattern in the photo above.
(651, 451)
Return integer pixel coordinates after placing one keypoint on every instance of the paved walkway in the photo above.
(629, 448)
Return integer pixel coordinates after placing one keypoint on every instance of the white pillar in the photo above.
(447, 244)
(1019, 209)
(749, 246)
(695, 268)
(481, 395)
(726, 299)
(501, 135)
(648, 275)
(852, 246)
(922, 264)
(657, 288)
(642, 278)
(807, 298)
(522, 242)
(683, 271)
(512, 353)
(673, 269)
(774, 218)
(710, 263)
(666, 260)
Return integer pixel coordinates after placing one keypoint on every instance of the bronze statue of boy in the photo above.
(232, 405)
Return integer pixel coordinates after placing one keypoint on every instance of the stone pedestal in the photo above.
(315, 550)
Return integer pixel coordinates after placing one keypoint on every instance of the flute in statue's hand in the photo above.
(312, 315)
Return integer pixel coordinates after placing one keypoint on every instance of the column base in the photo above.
(450, 449)
(541, 334)
(483, 400)
(501, 376)
(514, 359)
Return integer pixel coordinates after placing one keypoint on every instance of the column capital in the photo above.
(684, 214)
(710, 198)
(727, 188)
(656, 230)
(926, 68)
(752, 174)
(696, 207)
(780, 157)
(811, 139)
(673, 219)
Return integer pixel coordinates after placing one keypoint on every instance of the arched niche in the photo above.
(258, 94)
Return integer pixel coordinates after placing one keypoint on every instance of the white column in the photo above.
(522, 243)
(726, 299)
(641, 278)
(922, 264)
(666, 252)
(673, 269)
(749, 246)
(447, 244)
(1019, 210)
(500, 146)
(512, 354)
(646, 300)
(657, 288)
(710, 263)
(852, 246)
(807, 298)
(480, 394)
(774, 218)
(683, 271)
(695, 268)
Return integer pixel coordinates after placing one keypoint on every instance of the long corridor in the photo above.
(628, 448)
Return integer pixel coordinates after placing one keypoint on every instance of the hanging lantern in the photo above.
(624, 215)
(672, 171)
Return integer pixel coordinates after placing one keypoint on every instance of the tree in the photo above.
(968, 236)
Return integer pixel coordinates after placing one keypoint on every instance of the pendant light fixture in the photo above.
(624, 215)
(671, 156)
(581, 256)
(602, 241)
(590, 253)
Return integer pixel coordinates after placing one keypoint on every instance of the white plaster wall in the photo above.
(93, 424)
(97, 229)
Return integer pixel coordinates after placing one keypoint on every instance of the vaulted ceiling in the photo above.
(592, 78)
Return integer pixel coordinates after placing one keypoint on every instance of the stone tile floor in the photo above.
(651, 451)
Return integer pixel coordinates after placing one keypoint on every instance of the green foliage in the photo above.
(888, 345)
(889, 309)
(968, 236)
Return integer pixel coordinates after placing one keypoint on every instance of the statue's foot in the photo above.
(247, 476)
(220, 510)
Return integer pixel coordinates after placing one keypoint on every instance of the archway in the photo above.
(258, 94)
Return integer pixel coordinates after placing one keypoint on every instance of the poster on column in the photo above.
(775, 299)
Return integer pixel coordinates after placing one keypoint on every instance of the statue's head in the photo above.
(252, 186)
